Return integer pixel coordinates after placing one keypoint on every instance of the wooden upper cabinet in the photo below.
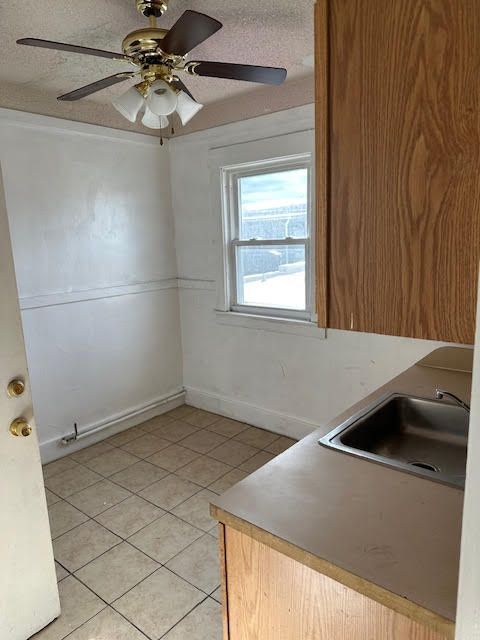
(399, 152)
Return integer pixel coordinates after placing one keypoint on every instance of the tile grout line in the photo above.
(165, 511)
(81, 625)
(181, 577)
(177, 442)
(122, 539)
(159, 467)
(128, 590)
(70, 633)
(160, 566)
(107, 605)
(93, 518)
(127, 541)
(183, 618)
(208, 596)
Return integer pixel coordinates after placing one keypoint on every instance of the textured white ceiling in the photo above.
(267, 32)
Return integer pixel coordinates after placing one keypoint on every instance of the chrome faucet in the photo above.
(441, 393)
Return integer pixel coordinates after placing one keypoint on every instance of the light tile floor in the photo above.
(135, 546)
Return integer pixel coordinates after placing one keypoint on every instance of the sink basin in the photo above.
(415, 435)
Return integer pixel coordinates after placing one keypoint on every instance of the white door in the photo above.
(28, 586)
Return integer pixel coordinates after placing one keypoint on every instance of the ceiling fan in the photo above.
(158, 55)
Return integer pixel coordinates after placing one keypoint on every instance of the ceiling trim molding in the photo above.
(27, 120)
(256, 102)
(257, 127)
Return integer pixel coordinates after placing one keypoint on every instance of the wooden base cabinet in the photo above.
(269, 596)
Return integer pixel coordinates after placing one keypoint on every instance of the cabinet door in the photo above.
(404, 152)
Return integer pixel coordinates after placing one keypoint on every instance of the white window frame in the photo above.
(230, 176)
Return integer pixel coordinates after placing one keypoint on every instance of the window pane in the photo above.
(273, 205)
(271, 276)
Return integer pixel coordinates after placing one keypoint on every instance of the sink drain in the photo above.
(425, 465)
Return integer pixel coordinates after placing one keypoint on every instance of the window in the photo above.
(267, 210)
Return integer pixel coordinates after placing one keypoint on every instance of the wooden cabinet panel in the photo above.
(272, 597)
(404, 151)
(321, 159)
(223, 577)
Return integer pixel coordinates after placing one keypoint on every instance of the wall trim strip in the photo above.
(73, 297)
(196, 283)
(281, 423)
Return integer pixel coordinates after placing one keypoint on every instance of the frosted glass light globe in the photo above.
(129, 104)
(153, 121)
(162, 99)
(186, 107)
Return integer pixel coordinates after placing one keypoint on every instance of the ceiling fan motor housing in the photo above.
(143, 41)
(149, 8)
(144, 48)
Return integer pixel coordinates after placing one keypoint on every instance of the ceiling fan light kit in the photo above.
(129, 103)
(162, 99)
(158, 55)
(187, 108)
(153, 121)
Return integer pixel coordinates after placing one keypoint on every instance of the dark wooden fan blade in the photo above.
(178, 84)
(190, 30)
(95, 86)
(230, 71)
(61, 46)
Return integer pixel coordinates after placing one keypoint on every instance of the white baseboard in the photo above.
(281, 423)
(54, 449)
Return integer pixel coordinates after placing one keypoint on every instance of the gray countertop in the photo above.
(392, 529)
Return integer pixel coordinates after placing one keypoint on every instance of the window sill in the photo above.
(301, 328)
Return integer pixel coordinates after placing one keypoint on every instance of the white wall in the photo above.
(93, 241)
(468, 610)
(273, 376)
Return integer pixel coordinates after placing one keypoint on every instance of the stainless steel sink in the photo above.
(423, 437)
